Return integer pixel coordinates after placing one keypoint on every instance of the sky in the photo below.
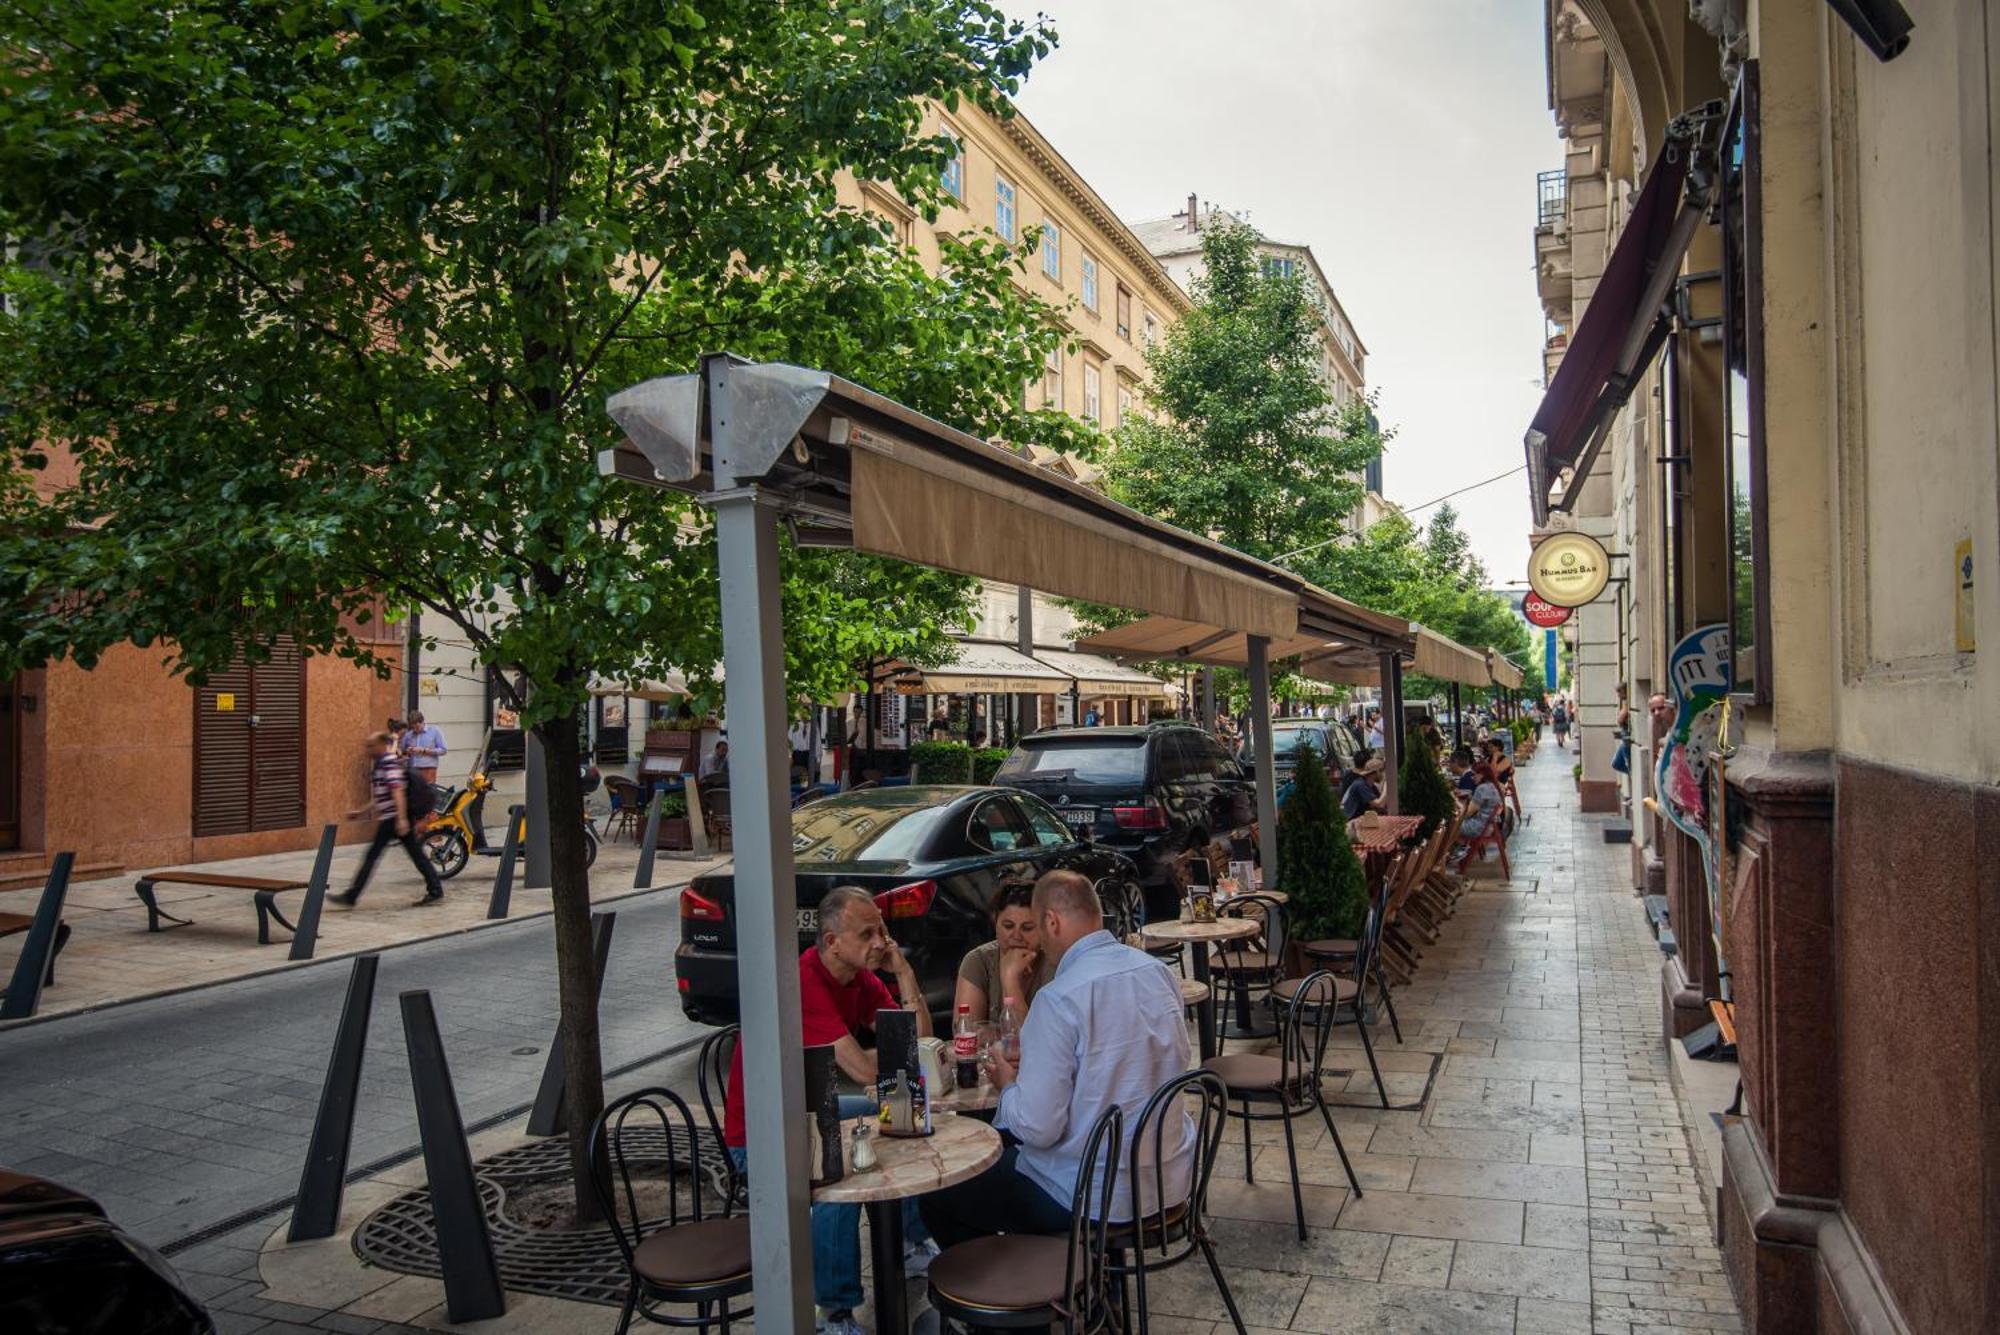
(1399, 140)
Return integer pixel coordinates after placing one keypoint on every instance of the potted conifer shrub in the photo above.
(1421, 788)
(1317, 866)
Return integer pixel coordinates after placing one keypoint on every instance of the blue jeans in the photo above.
(836, 1230)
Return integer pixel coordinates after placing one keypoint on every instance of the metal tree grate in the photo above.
(580, 1265)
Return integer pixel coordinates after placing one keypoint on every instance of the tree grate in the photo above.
(578, 1265)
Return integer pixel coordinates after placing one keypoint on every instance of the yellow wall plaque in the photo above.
(225, 703)
(1569, 569)
(1961, 574)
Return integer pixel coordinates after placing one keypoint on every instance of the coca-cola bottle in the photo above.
(965, 1047)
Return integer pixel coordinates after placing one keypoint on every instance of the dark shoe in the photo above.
(344, 901)
(428, 899)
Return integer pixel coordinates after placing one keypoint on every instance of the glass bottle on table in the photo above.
(965, 1047)
(1009, 1036)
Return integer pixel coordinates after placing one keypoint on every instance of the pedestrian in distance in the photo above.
(1560, 720)
(389, 803)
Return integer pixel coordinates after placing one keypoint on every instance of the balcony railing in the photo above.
(1551, 197)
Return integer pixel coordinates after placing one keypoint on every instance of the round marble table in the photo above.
(957, 1148)
(982, 1097)
(1202, 935)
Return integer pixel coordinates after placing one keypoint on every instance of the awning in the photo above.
(1096, 676)
(672, 687)
(1432, 654)
(1505, 673)
(1325, 620)
(1627, 321)
(976, 669)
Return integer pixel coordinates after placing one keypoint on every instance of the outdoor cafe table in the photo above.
(1384, 836)
(957, 1148)
(1201, 935)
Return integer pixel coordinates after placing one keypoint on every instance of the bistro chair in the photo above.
(689, 1260)
(1161, 1235)
(1345, 955)
(711, 1068)
(715, 813)
(628, 806)
(1026, 1280)
(1247, 967)
(1346, 996)
(1280, 1088)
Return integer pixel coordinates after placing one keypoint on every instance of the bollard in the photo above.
(306, 935)
(317, 1211)
(465, 1249)
(503, 880)
(643, 878)
(36, 965)
(550, 1115)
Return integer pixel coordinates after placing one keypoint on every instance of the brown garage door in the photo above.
(249, 746)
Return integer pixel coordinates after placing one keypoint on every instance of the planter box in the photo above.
(675, 833)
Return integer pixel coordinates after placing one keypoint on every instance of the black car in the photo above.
(933, 856)
(1330, 738)
(1148, 792)
(65, 1267)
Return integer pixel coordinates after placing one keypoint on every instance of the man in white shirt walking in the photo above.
(1107, 1028)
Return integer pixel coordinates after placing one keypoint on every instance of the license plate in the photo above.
(1078, 818)
(808, 922)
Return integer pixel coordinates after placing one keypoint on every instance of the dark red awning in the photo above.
(1622, 328)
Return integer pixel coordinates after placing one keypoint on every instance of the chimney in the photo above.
(1194, 217)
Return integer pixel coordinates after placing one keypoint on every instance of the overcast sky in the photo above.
(1400, 140)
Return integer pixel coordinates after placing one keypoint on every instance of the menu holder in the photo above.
(823, 1116)
(1201, 903)
(901, 1089)
(1244, 874)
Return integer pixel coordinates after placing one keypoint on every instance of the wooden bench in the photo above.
(266, 891)
(13, 924)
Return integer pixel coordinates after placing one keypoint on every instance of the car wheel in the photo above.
(1124, 907)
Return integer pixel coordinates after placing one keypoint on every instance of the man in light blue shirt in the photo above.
(1107, 1028)
(422, 745)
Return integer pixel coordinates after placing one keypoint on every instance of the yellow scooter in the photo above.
(450, 833)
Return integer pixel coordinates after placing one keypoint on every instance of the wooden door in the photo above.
(249, 746)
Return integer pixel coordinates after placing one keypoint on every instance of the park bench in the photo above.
(266, 891)
(12, 924)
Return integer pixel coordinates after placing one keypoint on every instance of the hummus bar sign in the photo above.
(1568, 569)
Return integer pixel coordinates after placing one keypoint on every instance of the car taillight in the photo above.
(1148, 815)
(700, 907)
(684, 985)
(907, 901)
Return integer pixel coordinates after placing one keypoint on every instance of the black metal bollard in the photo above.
(32, 970)
(317, 1211)
(503, 880)
(306, 935)
(465, 1249)
(643, 878)
(550, 1115)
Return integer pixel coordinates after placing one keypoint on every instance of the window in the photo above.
(1003, 208)
(1124, 312)
(1093, 394)
(1152, 328)
(1050, 832)
(1743, 404)
(1051, 250)
(953, 176)
(998, 825)
(1090, 282)
(1052, 387)
(1124, 404)
(1280, 266)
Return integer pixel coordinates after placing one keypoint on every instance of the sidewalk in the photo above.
(112, 958)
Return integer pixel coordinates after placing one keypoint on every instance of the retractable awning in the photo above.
(671, 687)
(1505, 673)
(976, 669)
(1095, 676)
(1627, 321)
(1325, 621)
(1430, 654)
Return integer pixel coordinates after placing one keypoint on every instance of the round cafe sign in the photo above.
(1568, 569)
(1542, 613)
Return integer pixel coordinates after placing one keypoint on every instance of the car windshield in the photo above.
(1285, 740)
(835, 830)
(1112, 760)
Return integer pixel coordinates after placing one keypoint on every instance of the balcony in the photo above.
(1551, 197)
(1552, 249)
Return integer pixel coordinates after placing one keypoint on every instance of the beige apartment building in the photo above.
(1769, 265)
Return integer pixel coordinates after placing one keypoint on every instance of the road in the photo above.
(187, 1110)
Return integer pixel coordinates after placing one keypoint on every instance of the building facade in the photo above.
(1773, 244)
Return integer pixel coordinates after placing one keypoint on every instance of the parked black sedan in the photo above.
(65, 1267)
(933, 856)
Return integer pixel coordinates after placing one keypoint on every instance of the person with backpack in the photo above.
(389, 802)
(1561, 721)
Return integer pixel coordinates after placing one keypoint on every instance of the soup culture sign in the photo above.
(1568, 569)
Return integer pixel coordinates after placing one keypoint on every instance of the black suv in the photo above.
(1148, 792)
(1329, 737)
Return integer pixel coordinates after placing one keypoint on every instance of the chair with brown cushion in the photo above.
(689, 1259)
(711, 1070)
(1014, 1280)
(1247, 966)
(1347, 1003)
(1162, 1232)
(1284, 1086)
(628, 805)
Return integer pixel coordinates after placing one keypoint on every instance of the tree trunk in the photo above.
(576, 965)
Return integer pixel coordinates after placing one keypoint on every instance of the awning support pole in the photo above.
(1209, 719)
(1392, 731)
(746, 537)
(1457, 718)
(1267, 775)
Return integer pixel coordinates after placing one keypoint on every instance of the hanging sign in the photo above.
(1542, 613)
(1688, 775)
(1569, 569)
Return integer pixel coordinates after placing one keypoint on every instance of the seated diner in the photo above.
(1010, 965)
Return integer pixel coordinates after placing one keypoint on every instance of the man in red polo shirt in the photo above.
(839, 994)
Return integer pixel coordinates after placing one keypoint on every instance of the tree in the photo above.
(1249, 446)
(1317, 868)
(1421, 788)
(319, 306)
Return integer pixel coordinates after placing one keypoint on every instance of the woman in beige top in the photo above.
(1010, 965)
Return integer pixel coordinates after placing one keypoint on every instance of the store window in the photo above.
(1743, 405)
(509, 741)
(1051, 249)
(1003, 208)
(1090, 282)
(953, 175)
(613, 730)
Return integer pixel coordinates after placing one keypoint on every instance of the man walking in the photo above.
(388, 793)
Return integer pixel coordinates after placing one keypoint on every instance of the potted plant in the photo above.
(940, 762)
(675, 832)
(986, 763)
(1317, 866)
(1422, 789)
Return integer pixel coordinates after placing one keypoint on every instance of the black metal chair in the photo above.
(692, 1261)
(1287, 1085)
(1024, 1280)
(711, 1069)
(1248, 967)
(1163, 1233)
(1340, 954)
(1348, 1006)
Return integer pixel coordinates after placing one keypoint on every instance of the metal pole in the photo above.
(1457, 718)
(465, 1249)
(306, 935)
(539, 875)
(317, 1213)
(1392, 731)
(1208, 719)
(550, 1115)
(643, 878)
(1027, 705)
(767, 933)
(31, 970)
(1267, 772)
